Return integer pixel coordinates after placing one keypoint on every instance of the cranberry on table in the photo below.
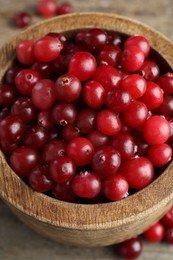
(115, 187)
(160, 154)
(22, 19)
(23, 160)
(86, 184)
(169, 235)
(165, 81)
(139, 41)
(24, 52)
(98, 139)
(155, 233)
(131, 248)
(47, 8)
(64, 192)
(149, 70)
(64, 8)
(8, 95)
(80, 150)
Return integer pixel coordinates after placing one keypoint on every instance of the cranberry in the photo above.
(43, 94)
(114, 38)
(149, 70)
(60, 64)
(106, 161)
(117, 99)
(156, 130)
(65, 8)
(11, 129)
(63, 114)
(8, 95)
(36, 137)
(108, 76)
(138, 172)
(47, 48)
(160, 154)
(25, 80)
(11, 74)
(108, 122)
(132, 58)
(109, 55)
(62, 169)
(166, 107)
(135, 85)
(8, 147)
(80, 150)
(68, 88)
(69, 132)
(44, 119)
(22, 19)
(43, 68)
(5, 111)
(136, 113)
(115, 187)
(83, 65)
(124, 144)
(60, 37)
(86, 120)
(86, 184)
(47, 8)
(165, 81)
(24, 52)
(93, 94)
(98, 139)
(53, 149)
(64, 192)
(139, 41)
(155, 233)
(169, 235)
(39, 179)
(23, 160)
(131, 248)
(141, 147)
(167, 219)
(24, 108)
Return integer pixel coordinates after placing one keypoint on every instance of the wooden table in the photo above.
(17, 242)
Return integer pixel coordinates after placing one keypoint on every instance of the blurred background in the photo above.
(17, 242)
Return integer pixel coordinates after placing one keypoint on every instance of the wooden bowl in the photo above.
(79, 224)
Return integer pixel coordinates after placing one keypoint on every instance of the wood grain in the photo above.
(76, 224)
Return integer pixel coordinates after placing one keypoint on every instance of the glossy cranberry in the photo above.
(139, 41)
(106, 161)
(165, 81)
(95, 39)
(155, 233)
(24, 52)
(11, 74)
(23, 160)
(138, 171)
(160, 154)
(169, 235)
(60, 37)
(68, 88)
(36, 137)
(60, 64)
(11, 129)
(153, 96)
(62, 169)
(135, 85)
(117, 99)
(8, 95)
(149, 70)
(166, 107)
(130, 249)
(64, 192)
(86, 120)
(86, 184)
(43, 94)
(93, 94)
(5, 111)
(108, 76)
(63, 114)
(114, 38)
(22, 19)
(98, 139)
(124, 144)
(70, 132)
(24, 108)
(136, 113)
(54, 134)
(167, 219)
(80, 150)
(53, 149)
(108, 122)
(8, 147)
(109, 55)
(39, 179)
(47, 8)
(115, 187)
(43, 68)
(47, 48)
(156, 130)
(141, 147)
(44, 119)
(65, 8)
(132, 58)
(83, 65)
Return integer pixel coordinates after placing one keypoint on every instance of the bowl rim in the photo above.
(94, 216)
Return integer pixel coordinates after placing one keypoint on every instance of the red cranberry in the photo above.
(86, 184)
(44, 119)
(22, 19)
(166, 107)
(8, 95)
(69, 132)
(169, 235)
(98, 139)
(65, 8)
(24, 52)
(131, 248)
(160, 154)
(167, 219)
(8, 147)
(139, 41)
(64, 192)
(36, 137)
(155, 233)
(165, 81)
(115, 187)
(60, 37)
(109, 55)
(47, 8)
(11, 74)
(149, 70)
(43, 68)
(132, 58)
(86, 120)
(141, 147)
(4, 112)
(114, 38)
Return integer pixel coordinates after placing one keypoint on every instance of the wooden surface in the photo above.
(17, 242)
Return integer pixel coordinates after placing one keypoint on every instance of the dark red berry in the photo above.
(47, 8)
(22, 19)
(24, 52)
(130, 249)
(155, 233)
(8, 95)
(64, 192)
(140, 42)
(132, 58)
(165, 81)
(149, 70)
